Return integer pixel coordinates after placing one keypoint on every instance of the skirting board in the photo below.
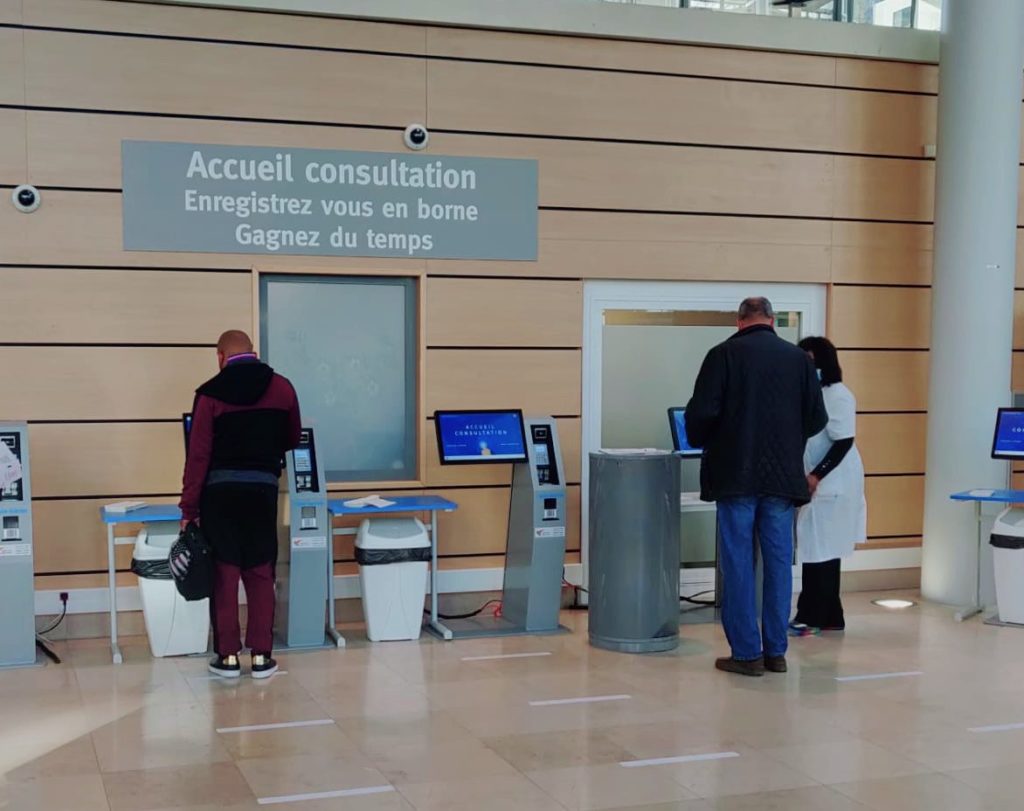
(97, 600)
(459, 581)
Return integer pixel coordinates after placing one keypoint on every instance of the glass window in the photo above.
(349, 346)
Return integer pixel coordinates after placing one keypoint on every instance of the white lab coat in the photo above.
(836, 519)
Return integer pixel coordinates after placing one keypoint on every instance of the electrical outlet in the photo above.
(64, 597)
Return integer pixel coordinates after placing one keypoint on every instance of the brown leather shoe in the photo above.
(743, 668)
(776, 664)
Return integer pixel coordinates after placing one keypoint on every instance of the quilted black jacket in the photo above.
(756, 402)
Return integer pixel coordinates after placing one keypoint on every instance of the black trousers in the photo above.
(819, 605)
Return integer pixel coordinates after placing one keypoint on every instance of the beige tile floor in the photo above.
(419, 729)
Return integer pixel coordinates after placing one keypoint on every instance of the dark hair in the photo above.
(825, 358)
(758, 307)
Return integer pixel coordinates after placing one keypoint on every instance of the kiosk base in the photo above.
(478, 627)
(332, 639)
(39, 662)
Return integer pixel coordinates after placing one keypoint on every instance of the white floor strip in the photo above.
(505, 656)
(873, 676)
(997, 728)
(325, 795)
(664, 761)
(584, 700)
(320, 722)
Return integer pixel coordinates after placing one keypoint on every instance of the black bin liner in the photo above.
(1006, 541)
(380, 557)
(152, 569)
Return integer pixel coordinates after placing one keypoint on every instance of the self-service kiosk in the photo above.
(305, 572)
(535, 551)
(17, 595)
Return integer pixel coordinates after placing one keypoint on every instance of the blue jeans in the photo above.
(743, 522)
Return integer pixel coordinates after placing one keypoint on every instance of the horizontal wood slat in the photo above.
(103, 383)
(272, 29)
(538, 381)
(880, 317)
(193, 78)
(45, 305)
(12, 66)
(613, 54)
(106, 459)
(887, 381)
(895, 505)
(892, 443)
(483, 313)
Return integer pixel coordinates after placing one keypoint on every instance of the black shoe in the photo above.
(226, 667)
(776, 664)
(754, 667)
(263, 666)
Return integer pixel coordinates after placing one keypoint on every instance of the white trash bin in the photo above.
(175, 626)
(393, 555)
(1007, 543)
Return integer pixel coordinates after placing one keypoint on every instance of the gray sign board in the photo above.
(263, 200)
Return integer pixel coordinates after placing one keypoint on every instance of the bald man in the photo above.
(244, 420)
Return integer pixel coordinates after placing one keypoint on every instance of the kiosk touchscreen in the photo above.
(305, 593)
(677, 421)
(1008, 441)
(17, 595)
(535, 551)
(480, 437)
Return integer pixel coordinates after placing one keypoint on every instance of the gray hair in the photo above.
(755, 307)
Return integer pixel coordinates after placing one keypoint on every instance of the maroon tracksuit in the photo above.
(243, 422)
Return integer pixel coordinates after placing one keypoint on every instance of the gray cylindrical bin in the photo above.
(634, 551)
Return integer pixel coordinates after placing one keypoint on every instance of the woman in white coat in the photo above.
(835, 521)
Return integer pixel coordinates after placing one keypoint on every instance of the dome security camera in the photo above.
(26, 198)
(417, 137)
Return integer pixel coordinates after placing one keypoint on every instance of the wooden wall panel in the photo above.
(148, 18)
(106, 459)
(103, 383)
(887, 381)
(578, 103)
(1018, 320)
(873, 73)
(438, 475)
(168, 76)
(895, 505)
(50, 305)
(760, 66)
(504, 312)
(884, 189)
(880, 317)
(70, 537)
(13, 160)
(1017, 377)
(12, 66)
(881, 253)
(884, 123)
(10, 11)
(892, 443)
(538, 381)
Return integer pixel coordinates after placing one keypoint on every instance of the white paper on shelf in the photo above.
(369, 501)
(10, 467)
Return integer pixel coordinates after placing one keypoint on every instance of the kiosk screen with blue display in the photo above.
(1008, 442)
(676, 419)
(478, 437)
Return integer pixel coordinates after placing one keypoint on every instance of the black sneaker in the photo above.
(263, 666)
(227, 667)
(776, 664)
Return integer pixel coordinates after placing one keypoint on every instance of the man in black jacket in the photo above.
(756, 402)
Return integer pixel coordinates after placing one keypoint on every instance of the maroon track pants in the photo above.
(259, 595)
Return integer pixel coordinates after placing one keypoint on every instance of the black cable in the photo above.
(53, 625)
(470, 615)
(694, 601)
(42, 645)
